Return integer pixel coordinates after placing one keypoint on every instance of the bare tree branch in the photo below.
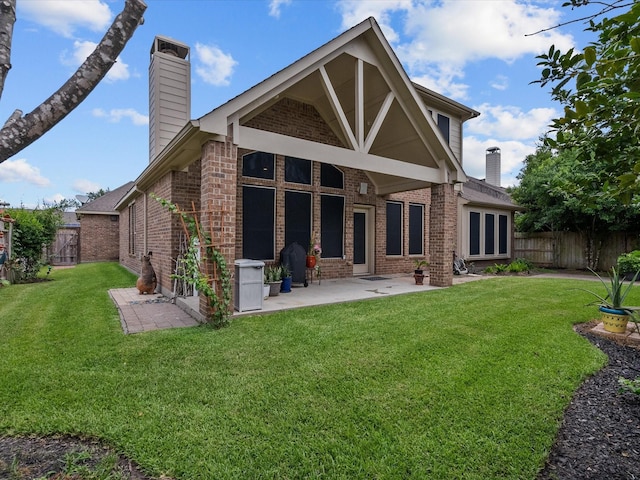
(7, 20)
(19, 133)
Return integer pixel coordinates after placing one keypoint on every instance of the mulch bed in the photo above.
(599, 437)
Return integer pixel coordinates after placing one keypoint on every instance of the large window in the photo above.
(258, 165)
(331, 176)
(297, 170)
(332, 226)
(443, 125)
(297, 218)
(474, 233)
(416, 229)
(132, 229)
(394, 228)
(258, 219)
(488, 234)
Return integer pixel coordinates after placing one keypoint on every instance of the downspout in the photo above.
(144, 219)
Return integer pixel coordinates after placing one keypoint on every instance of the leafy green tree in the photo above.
(32, 231)
(565, 191)
(600, 90)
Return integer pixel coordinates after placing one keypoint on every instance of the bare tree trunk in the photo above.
(19, 132)
(7, 20)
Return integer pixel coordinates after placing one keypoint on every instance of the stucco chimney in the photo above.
(169, 92)
(492, 175)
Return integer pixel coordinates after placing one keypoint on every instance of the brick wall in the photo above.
(443, 234)
(99, 238)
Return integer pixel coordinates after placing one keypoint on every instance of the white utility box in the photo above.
(248, 292)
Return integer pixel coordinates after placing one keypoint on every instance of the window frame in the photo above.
(245, 253)
(422, 237)
(399, 228)
(323, 230)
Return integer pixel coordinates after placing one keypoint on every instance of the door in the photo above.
(362, 263)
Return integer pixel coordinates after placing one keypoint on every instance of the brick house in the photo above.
(340, 145)
(100, 227)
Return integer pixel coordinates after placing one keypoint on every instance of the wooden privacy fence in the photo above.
(570, 250)
(64, 249)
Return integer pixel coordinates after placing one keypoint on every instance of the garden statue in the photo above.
(147, 282)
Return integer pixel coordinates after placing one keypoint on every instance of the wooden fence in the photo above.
(64, 250)
(570, 250)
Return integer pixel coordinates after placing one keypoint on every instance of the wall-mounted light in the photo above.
(363, 188)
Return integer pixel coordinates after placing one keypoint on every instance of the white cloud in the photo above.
(509, 122)
(85, 186)
(275, 5)
(214, 66)
(13, 171)
(64, 17)
(500, 82)
(355, 11)
(436, 40)
(116, 114)
(82, 49)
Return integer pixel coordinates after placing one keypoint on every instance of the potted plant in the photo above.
(629, 264)
(273, 277)
(614, 314)
(418, 273)
(286, 279)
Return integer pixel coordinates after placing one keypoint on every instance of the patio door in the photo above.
(362, 240)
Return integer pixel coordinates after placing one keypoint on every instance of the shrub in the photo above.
(629, 262)
(520, 265)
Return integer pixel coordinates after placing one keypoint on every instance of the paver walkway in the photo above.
(144, 313)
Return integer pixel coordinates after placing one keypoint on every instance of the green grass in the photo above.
(466, 382)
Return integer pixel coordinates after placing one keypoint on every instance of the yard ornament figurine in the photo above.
(147, 282)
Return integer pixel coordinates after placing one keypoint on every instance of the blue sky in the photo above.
(474, 51)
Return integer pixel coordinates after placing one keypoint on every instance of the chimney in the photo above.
(492, 175)
(169, 92)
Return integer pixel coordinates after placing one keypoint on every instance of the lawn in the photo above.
(465, 382)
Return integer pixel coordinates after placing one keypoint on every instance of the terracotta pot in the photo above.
(311, 261)
(419, 278)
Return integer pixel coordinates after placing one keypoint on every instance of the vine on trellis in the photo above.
(195, 271)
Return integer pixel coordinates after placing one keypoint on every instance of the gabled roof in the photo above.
(105, 205)
(360, 89)
(480, 193)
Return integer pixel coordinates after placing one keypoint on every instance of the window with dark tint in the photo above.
(297, 218)
(502, 234)
(474, 233)
(258, 165)
(394, 228)
(416, 229)
(258, 222)
(359, 238)
(489, 234)
(443, 125)
(297, 170)
(331, 176)
(332, 226)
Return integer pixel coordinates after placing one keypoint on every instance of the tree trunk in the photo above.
(7, 20)
(19, 132)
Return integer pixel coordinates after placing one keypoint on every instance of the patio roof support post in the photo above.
(218, 202)
(442, 234)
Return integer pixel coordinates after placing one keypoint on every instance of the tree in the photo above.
(33, 230)
(20, 130)
(565, 191)
(600, 90)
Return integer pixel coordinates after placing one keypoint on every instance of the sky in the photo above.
(480, 53)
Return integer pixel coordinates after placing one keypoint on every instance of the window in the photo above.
(258, 219)
(503, 234)
(297, 170)
(443, 125)
(416, 229)
(489, 233)
(297, 218)
(331, 176)
(258, 165)
(474, 233)
(394, 228)
(332, 226)
(132, 229)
